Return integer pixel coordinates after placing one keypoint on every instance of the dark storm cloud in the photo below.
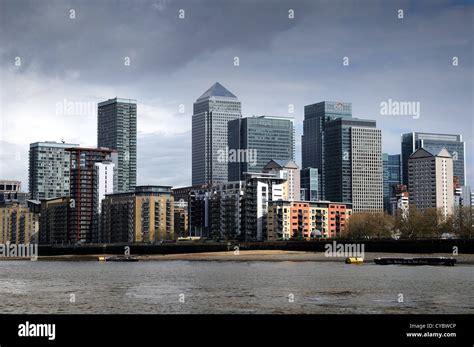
(283, 61)
(102, 33)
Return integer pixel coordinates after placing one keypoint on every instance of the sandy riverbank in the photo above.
(257, 255)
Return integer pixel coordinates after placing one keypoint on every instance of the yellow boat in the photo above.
(354, 260)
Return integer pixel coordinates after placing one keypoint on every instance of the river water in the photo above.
(232, 287)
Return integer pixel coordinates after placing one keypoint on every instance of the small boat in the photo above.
(416, 261)
(354, 260)
(126, 258)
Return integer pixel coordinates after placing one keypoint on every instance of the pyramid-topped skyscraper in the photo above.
(212, 112)
(217, 90)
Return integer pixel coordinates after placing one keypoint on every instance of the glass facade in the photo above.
(392, 176)
(212, 112)
(353, 163)
(313, 140)
(310, 184)
(258, 140)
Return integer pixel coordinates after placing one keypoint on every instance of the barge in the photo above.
(416, 261)
(123, 258)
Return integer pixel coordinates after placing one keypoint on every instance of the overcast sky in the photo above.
(48, 59)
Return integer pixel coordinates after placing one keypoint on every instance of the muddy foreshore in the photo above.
(254, 255)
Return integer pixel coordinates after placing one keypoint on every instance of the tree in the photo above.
(421, 224)
(461, 222)
(370, 225)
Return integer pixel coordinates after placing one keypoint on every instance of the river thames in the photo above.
(281, 287)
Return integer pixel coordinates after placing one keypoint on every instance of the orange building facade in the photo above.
(306, 220)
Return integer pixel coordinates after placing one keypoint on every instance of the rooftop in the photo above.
(217, 90)
(117, 100)
(53, 144)
(281, 163)
(425, 153)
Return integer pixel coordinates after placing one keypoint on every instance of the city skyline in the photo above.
(299, 74)
(163, 160)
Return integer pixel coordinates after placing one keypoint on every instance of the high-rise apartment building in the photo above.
(353, 169)
(260, 191)
(313, 149)
(433, 143)
(254, 141)
(117, 129)
(84, 197)
(212, 112)
(49, 170)
(430, 178)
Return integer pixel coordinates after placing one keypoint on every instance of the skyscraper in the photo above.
(353, 170)
(254, 141)
(434, 143)
(49, 170)
(212, 112)
(85, 189)
(117, 129)
(392, 177)
(430, 178)
(312, 142)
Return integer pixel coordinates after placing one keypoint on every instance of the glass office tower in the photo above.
(257, 140)
(312, 141)
(212, 112)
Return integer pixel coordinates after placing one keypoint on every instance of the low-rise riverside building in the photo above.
(235, 210)
(307, 220)
(215, 211)
(18, 225)
(10, 193)
(54, 221)
(181, 218)
(143, 215)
